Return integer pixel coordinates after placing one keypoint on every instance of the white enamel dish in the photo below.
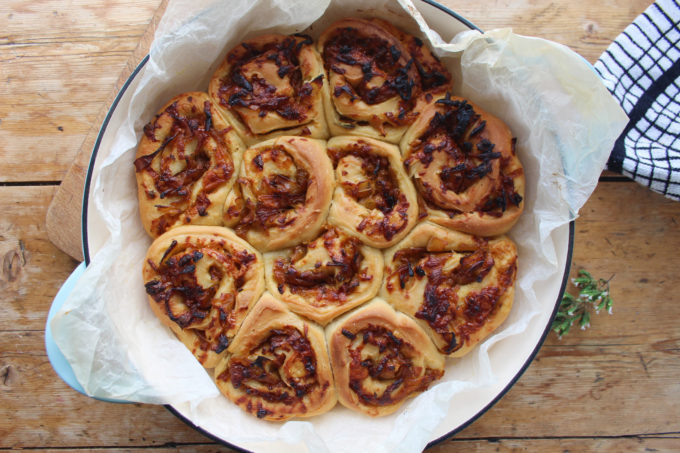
(469, 405)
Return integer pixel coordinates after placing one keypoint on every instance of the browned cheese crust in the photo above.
(326, 277)
(271, 85)
(285, 186)
(379, 78)
(458, 287)
(380, 358)
(463, 162)
(185, 165)
(374, 198)
(277, 367)
(201, 282)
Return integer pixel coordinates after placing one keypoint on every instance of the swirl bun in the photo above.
(201, 281)
(325, 277)
(286, 186)
(185, 165)
(380, 358)
(379, 78)
(270, 86)
(277, 367)
(458, 287)
(374, 198)
(464, 165)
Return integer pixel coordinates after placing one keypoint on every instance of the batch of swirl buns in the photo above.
(328, 221)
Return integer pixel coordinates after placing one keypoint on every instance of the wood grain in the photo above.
(587, 27)
(37, 409)
(33, 269)
(647, 444)
(58, 65)
(561, 445)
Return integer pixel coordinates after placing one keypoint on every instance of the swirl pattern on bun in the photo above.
(325, 277)
(201, 282)
(185, 165)
(380, 358)
(458, 287)
(286, 186)
(271, 85)
(277, 367)
(463, 162)
(379, 78)
(374, 198)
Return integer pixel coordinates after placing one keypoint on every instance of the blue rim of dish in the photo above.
(86, 255)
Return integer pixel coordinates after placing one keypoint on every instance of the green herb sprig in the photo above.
(593, 295)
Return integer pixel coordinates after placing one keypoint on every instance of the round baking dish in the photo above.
(447, 23)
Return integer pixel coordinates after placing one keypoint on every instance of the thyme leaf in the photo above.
(593, 295)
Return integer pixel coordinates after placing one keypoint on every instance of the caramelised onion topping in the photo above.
(328, 281)
(188, 161)
(290, 97)
(378, 356)
(281, 369)
(377, 59)
(378, 190)
(276, 195)
(186, 300)
(464, 159)
(379, 75)
(452, 318)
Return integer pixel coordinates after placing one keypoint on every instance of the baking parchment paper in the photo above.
(565, 122)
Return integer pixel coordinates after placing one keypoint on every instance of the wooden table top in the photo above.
(613, 387)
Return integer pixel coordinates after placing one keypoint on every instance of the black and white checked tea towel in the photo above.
(641, 68)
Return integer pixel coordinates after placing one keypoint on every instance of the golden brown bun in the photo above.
(185, 165)
(271, 85)
(374, 198)
(458, 287)
(286, 186)
(380, 358)
(326, 277)
(277, 367)
(201, 281)
(379, 78)
(463, 163)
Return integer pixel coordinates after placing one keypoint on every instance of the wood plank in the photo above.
(581, 25)
(33, 269)
(556, 445)
(629, 233)
(58, 64)
(615, 390)
(38, 410)
(559, 445)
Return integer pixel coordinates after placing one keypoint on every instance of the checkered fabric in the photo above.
(641, 68)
